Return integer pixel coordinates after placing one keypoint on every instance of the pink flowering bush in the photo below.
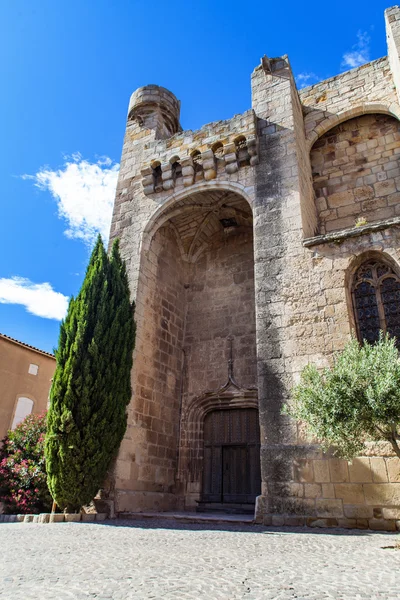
(23, 486)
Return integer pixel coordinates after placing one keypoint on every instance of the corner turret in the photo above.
(154, 107)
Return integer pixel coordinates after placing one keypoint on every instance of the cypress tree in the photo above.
(91, 387)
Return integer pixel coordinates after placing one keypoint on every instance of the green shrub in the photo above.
(355, 401)
(23, 486)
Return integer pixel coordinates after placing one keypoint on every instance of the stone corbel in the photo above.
(252, 148)
(231, 164)
(209, 165)
(148, 180)
(167, 177)
(187, 171)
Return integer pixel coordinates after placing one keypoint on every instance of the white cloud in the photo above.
(84, 193)
(359, 53)
(38, 298)
(305, 79)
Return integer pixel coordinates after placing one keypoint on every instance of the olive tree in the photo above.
(355, 401)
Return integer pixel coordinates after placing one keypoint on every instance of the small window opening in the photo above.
(157, 174)
(33, 369)
(197, 164)
(228, 222)
(176, 168)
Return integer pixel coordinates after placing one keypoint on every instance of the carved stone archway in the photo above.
(191, 455)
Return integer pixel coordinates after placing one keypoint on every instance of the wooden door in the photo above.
(231, 456)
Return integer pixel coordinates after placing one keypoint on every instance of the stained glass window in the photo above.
(376, 300)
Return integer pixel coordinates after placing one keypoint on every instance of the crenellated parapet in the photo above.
(220, 148)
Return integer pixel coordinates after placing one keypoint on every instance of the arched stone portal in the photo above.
(195, 305)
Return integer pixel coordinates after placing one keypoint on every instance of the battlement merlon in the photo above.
(167, 152)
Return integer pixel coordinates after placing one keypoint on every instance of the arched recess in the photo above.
(332, 120)
(355, 166)
(173, 204)
(195, 290)
(373, 295)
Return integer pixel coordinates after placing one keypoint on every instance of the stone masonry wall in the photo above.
(155, 409)
(303, 312)
(221, 304)
(356, 172)
(369, 88)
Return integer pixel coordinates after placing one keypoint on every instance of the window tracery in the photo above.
(376, 300)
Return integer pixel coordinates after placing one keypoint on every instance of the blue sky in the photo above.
(68, 69)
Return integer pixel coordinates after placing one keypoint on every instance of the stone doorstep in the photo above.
(187, 517)
(54, 518)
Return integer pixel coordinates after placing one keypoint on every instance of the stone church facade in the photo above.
(254, 246)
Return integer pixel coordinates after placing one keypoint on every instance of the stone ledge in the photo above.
(53, 518)
(351, 232)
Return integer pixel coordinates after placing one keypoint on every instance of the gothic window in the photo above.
(376, 300)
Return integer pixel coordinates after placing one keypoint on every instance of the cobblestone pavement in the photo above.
(160, 559)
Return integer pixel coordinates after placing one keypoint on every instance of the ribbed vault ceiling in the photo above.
(197, 219)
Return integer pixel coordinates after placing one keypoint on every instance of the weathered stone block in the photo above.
(384, 188)
(329, 508)
(378, 470)
(72, 517)
(277, 520)
(358, 511)
(347, 523)
(382, 525)
(321, 471)
(360, 470)
(382, 493)
(330, 522)
(328, 490)
(88, 517)
(341, 199)
(101, 516)
(393, 469)
(391, 513)
(312, 490)
(362, 524)
(338, 470)
(303, 470)
(56, 518)
(350, 493)
(44, 517)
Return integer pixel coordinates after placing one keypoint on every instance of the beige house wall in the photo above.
(16, 381)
